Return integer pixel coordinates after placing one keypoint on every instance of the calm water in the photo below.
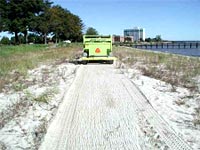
(188, 51)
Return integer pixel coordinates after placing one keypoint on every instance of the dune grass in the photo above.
(24, 57)
(174, 69)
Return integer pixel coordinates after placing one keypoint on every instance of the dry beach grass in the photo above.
(40, 90)
(174, 69)
(177, 70)
(25, 114)
(15, 61)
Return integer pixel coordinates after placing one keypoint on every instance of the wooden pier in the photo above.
(168, 45)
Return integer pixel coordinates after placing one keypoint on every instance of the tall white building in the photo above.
(137, 33)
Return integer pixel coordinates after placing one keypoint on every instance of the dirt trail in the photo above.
(103, 109)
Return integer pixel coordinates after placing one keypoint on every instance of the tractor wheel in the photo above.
(84, 62)
(110, 61)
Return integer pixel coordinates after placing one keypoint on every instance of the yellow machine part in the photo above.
(98, 58)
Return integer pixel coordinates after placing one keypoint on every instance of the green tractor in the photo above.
(97, 48)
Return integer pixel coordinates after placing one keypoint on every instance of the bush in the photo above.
(5, 41)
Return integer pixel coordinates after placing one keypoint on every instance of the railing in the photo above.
(168, 45)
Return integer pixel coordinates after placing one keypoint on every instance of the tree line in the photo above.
(156, 39)
(40, 18)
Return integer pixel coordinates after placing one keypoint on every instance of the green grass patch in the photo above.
(9, 50)
(21, 58)
(175, 69)
(43, 97)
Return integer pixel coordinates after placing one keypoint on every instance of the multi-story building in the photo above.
(136, 33)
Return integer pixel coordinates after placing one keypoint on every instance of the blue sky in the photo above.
(172, 19)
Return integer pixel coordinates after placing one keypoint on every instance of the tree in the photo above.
(148, 39)
(3, 14)
(158, 38)
(35, 38)
(19, 15)
(39, 17)
(58, 19)
(41, 23)
(141, 40)
(91, 31)
(76, 26)
(64, 24)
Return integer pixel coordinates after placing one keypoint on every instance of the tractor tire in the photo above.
(110, 61)
(84, 62)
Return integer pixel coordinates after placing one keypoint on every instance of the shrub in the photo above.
(5, 41)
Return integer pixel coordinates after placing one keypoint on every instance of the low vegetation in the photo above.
(174, 69)
(43, 97)
(15, 61)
